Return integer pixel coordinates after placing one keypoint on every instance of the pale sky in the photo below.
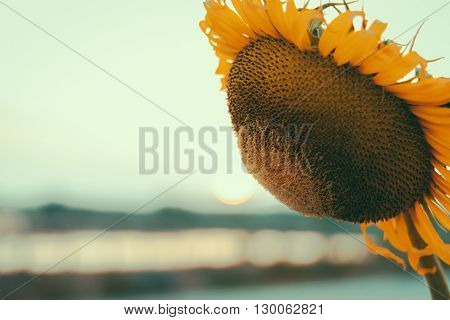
(69, 132)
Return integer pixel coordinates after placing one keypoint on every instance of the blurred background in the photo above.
(80, 219)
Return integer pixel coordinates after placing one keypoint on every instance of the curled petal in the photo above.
(336, 31)
(380, 250)
(399, 68)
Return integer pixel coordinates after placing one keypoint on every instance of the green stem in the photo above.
(437, 282)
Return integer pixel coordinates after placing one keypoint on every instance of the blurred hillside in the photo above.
(57, 217)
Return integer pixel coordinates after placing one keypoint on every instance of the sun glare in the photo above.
(234, 189)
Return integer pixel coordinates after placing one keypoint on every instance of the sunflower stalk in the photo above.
(437, 282)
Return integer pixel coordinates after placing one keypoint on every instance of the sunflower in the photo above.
(379, 150)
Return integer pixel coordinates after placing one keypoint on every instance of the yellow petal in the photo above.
(442, 170)
(441, 182)
(429, 234)
(256, 17)
(227, 25)
(357, 46)
(224, 67)
(300, 28)
(223, 82)
(380, 59)
(380, 250)
(291, 17)
(427, 91)
(225, 53)
(435, 111)
(441, 197)
(440, 155)
(438, 132)
(336, 31)
(277, 17)
(390, 235)
(433, 116)
(399, 68)
(435, 144)
(414, 254)
(238, 6)
(439, 213)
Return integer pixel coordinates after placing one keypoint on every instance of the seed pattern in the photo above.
(365, 158)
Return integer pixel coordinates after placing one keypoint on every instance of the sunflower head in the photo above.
(352, 178)
(377, 148)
